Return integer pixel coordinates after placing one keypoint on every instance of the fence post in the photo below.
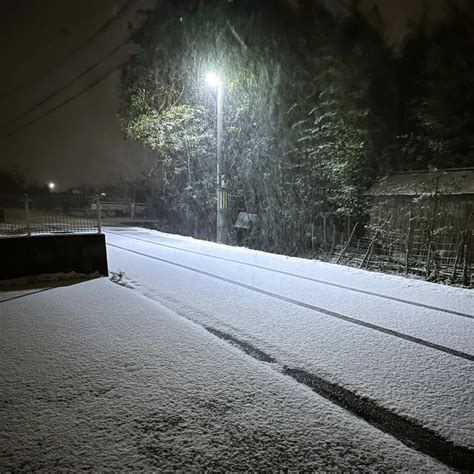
(467, 255)
(99, 214)
(333, 243)
(408, 245)
(370, 249)
(348, 243)
(27, 215)
(458, 256)
(325, 237)
(428, 254)
(132, 211)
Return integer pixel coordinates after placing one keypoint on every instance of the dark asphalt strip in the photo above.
(409, 432)
(302, 277)
(327, 312)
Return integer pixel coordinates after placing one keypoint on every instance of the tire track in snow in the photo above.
(302, 277)
(381, 329)
(409, 432)
(244, 346)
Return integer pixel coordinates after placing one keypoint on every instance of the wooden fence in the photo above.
(434, 243)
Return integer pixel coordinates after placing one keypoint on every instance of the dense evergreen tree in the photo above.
(313, 112)
(440, 120)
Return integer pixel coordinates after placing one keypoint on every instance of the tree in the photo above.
(441, 113)
(314, 111)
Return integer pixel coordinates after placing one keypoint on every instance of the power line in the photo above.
(50, 111)
(103, 29)
(72, 81)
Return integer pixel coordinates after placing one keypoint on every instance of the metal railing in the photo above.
(49, 214)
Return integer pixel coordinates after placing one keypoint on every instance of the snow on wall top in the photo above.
(449, 182)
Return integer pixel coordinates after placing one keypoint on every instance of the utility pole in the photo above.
(222, 199)
(215, 82)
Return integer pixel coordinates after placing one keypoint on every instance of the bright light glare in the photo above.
(213, 79)
(51, 186)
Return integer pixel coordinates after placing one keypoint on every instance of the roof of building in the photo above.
(449, 182)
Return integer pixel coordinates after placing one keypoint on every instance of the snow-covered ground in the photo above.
(404, 344)
(97, 377)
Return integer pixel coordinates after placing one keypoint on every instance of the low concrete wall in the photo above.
(25, 256)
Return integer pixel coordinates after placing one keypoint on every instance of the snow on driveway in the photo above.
(403, 343)
(97, 377)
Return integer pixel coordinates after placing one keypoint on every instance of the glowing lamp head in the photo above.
(51, 186)
(213, 80)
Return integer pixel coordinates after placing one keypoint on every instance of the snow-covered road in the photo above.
(96, 377)
(400, 345)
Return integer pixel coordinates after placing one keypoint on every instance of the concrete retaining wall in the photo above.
(25, 256)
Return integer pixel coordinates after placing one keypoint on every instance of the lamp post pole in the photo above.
(222, 199)
(215, 82)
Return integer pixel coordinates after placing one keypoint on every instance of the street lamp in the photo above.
(51, 186)
(213, 79)
(215, 82)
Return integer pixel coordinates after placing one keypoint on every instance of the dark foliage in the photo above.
(313, 113)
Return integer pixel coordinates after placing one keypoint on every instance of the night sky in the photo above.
(81, 141)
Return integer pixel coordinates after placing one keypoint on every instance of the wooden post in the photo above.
(431, 229)
(467, 262)
(325, 237)
(436, 262)
(458, 255)
(348, 242)
(428, 256)
(368, 253)
(333, 244)
(462, 247)
(408, 245)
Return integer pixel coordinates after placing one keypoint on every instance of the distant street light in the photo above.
(51, 186)
(214, 81)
